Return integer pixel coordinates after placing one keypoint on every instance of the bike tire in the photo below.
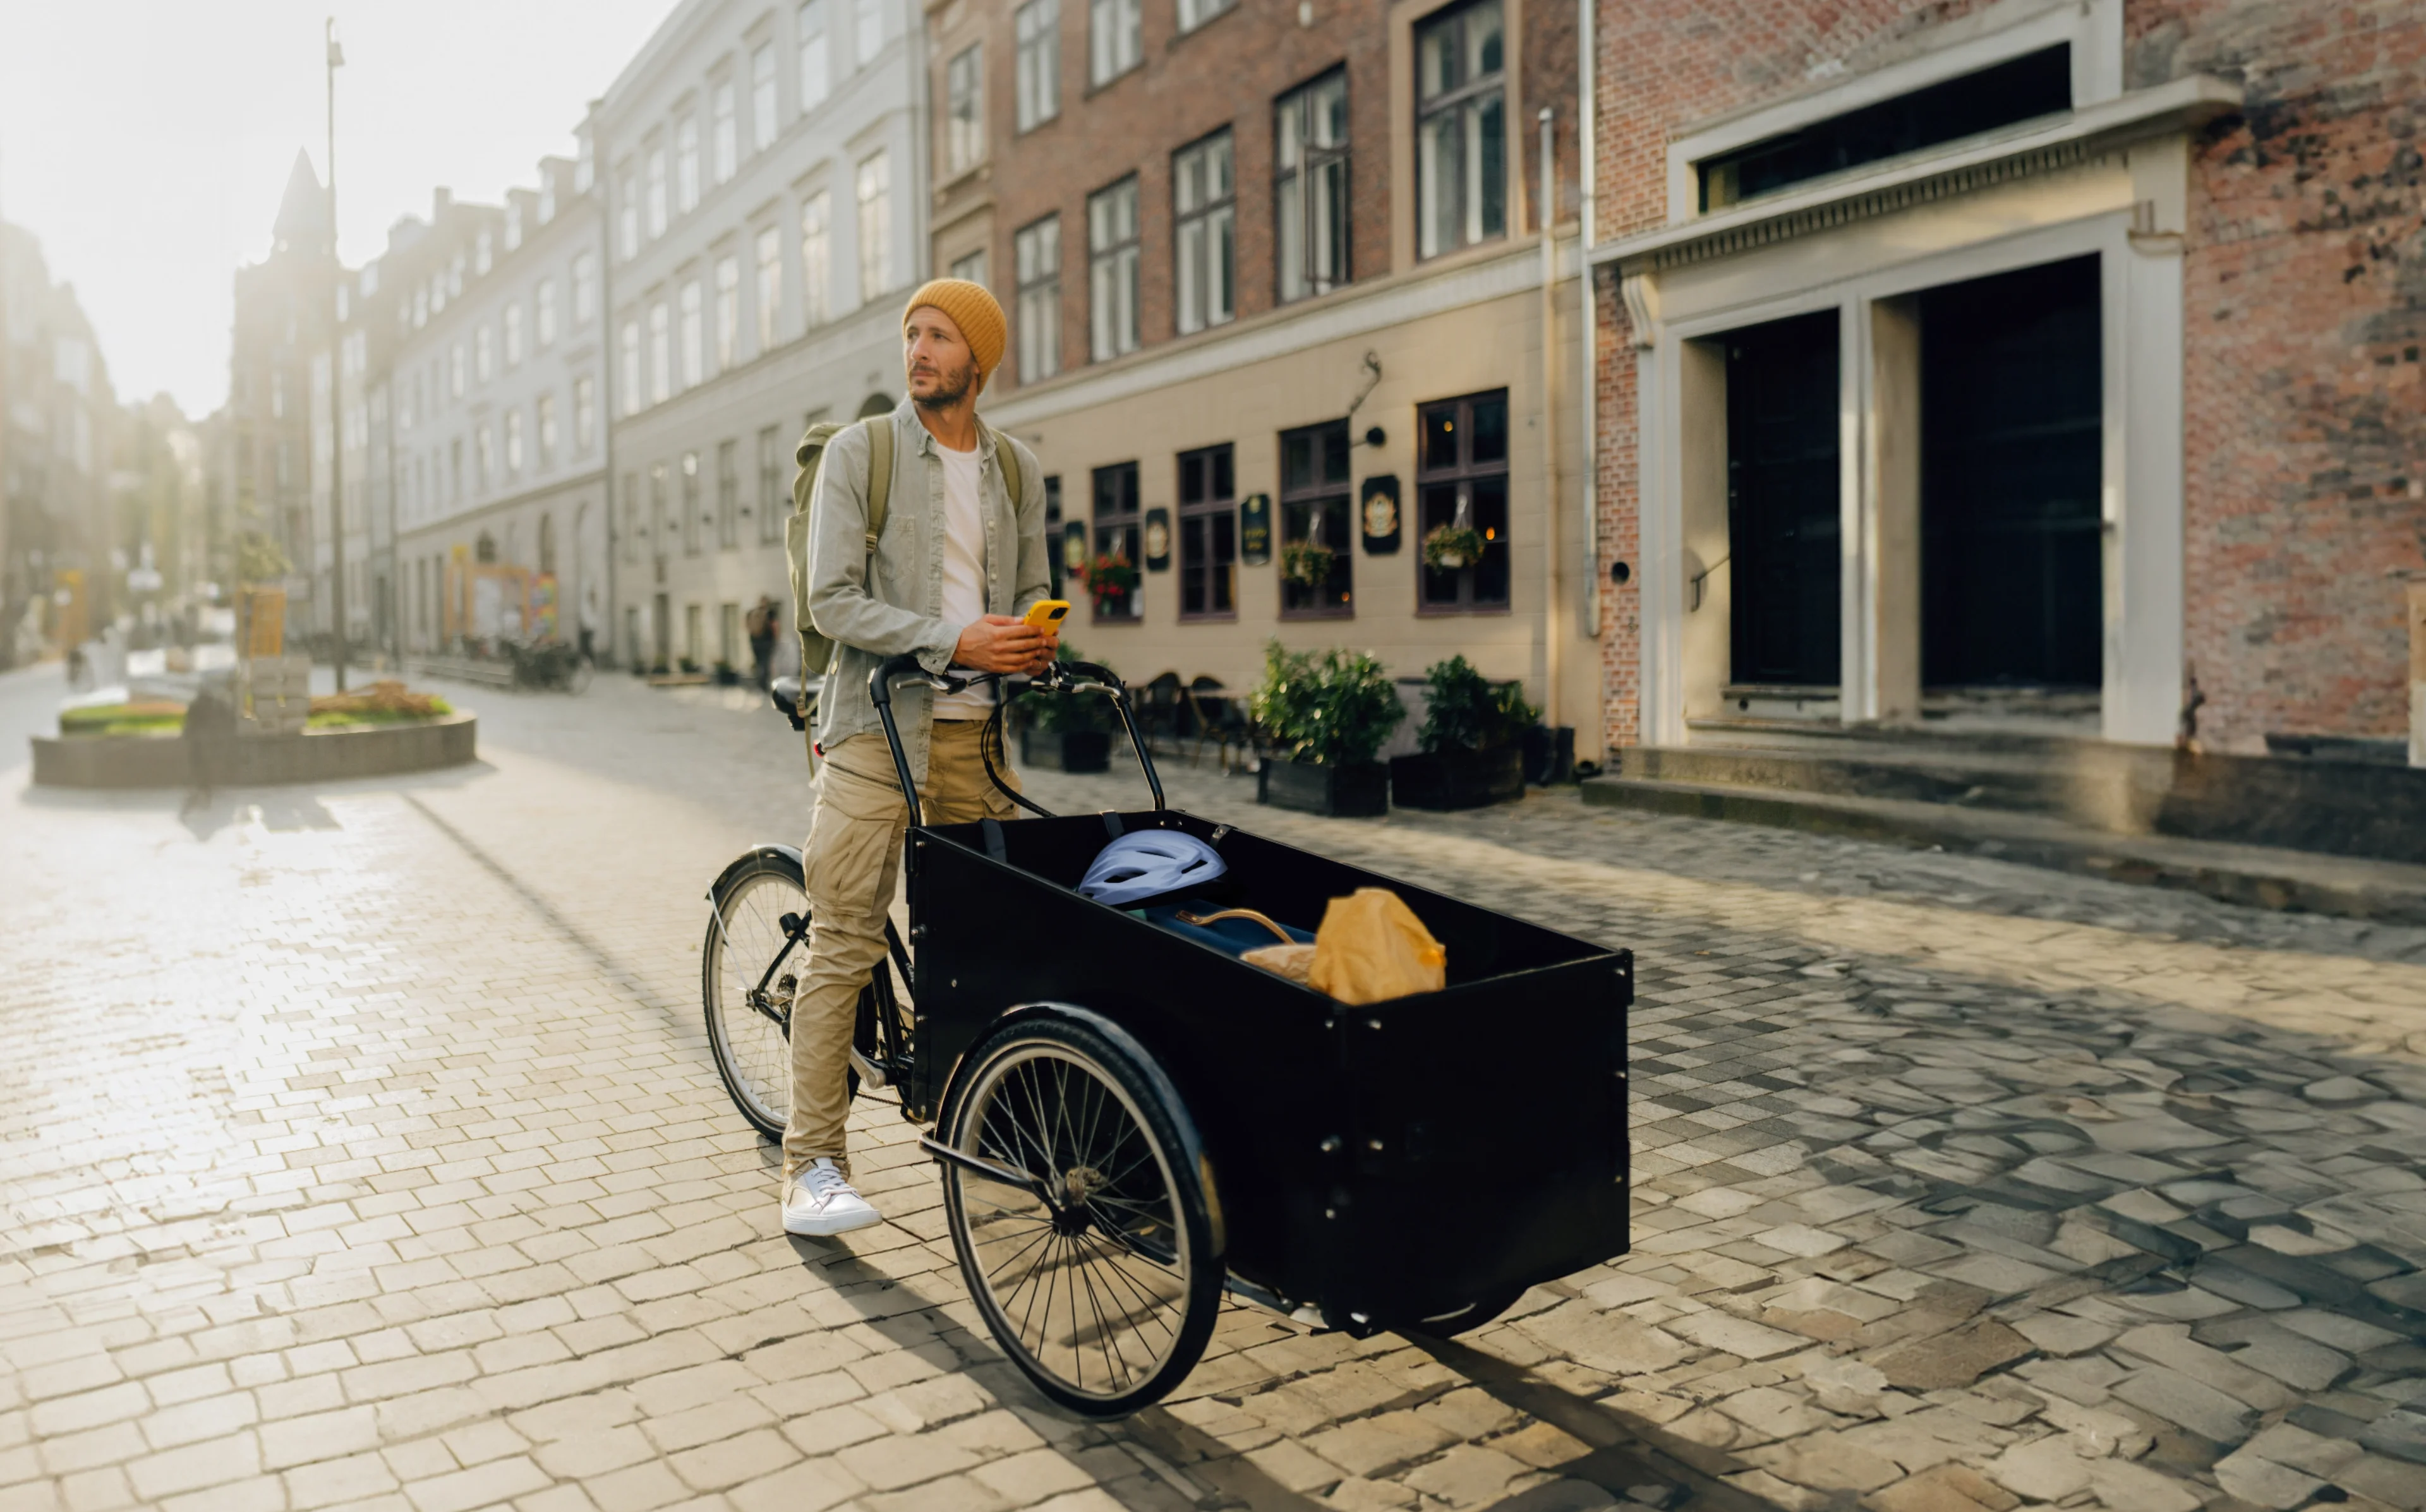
(753, 1064)
(1133, 1197)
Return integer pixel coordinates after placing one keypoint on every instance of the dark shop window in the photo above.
(1117, 529)
(1313, 521)
(1462, 482)
(1053, 532)
(1208, 535)
(2035, 84)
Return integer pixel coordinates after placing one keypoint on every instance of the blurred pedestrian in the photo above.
(763, 623)
(209, 738)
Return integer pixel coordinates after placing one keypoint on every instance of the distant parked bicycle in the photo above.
(549, 665)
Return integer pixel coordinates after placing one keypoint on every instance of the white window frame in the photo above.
(724, 131)
(1114, 278)
(1037, 276)
(1036, 57)
(769, 276)
(1114, 41)
(872, 198)
(765, 106)
(728, 310)
(544, 314)
(815, 54)
(964, 109)
(816, 259)
(1195, 13)
(585, 287)
(866, 31)
(694, 333)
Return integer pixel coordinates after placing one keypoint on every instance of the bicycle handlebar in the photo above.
(1057, 677)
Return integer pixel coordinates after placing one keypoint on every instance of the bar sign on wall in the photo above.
(1255, 530)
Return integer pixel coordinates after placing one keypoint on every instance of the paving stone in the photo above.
(2263, 1482)
(2401, 1434)
(2177, 1398)
(1955, 1358)
(1736, 1336)
(2122, 1486)
(2043, 1469)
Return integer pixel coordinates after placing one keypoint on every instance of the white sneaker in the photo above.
(820, 1201)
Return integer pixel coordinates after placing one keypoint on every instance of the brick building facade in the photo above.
(1234, 326)
(2041, 357)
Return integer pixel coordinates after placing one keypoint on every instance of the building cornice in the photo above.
(2183, 104)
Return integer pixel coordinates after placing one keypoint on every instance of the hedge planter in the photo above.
(1458, 779)
(1073, 751)
(319, 756)
(1360, 791)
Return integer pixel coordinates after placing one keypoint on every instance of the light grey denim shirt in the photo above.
(897, 607)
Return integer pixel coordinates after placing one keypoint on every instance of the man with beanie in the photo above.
(959, 561)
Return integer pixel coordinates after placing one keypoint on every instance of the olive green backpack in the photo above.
(817, 652)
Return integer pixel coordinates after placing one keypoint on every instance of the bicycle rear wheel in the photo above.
(1099, 1274)
(747, 1027)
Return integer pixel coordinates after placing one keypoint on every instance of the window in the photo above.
(1037, 28)
(631, 373)
(728, 494)
(692, 518)
(762, 97)
(486, 440)
(546, 427)
(631, 517)
(546, 197)
(585, 412)
(728, 310)
(544, 313)
(875, 232)
(770, 511)
(687, 165)
(656, 192)
(964, 125)
(514, 442)
(866, 31)
(515, 333)
(693, 332)
(514, 239)
(1117, 529)
(484, 351)
(482, 254)
(1039, 256)
(1053, 532)
(1195, 13)
(817, 257)
(1113, 270)
(2036, 84)
(728, 634)
(585, 288)
(724, 144)
(1461, 133)
(627, 218)
(1111, 39)
(454, 467)
(1313, 512)
(1208, 535)
(691, 633)
(817, 67)
(661, 534)
(661, 353)
(971, 266)
(771, 286)
(1203, 183)
(1461, 481)
(1310, 188)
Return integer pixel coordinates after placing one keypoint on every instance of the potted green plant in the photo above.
(725, 675)
(1067, 732)
(1472, 740)
(1327, 712)
(1306, 563)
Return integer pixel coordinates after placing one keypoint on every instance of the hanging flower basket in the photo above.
(1110, 578)
(1448, 548)
(1306, 563)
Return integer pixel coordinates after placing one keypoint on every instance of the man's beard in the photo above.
(949, 391)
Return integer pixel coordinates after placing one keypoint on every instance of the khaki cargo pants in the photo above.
(853, 860)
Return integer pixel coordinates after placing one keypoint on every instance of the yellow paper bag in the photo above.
(1372, 946)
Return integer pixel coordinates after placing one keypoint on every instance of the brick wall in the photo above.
(2306, 485)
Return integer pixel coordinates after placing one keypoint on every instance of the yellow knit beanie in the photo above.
(973, 310)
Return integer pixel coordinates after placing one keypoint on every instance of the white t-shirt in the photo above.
(964, 600)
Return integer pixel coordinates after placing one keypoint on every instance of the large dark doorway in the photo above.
(2011, 434)
(1783, 492)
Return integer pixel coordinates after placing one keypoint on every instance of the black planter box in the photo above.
(1358, 792)
(1073, 751)
(1458, 779)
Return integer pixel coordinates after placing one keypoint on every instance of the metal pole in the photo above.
(1588, 333)
(1551, 540)
(337, 376)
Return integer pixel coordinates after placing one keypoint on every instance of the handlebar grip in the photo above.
(880, 683)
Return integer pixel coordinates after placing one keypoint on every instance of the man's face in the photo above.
(941, 369)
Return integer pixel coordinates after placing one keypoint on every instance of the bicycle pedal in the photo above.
(871, 1074)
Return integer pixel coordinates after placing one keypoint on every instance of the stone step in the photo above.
(2109, 787)
(2256, 876)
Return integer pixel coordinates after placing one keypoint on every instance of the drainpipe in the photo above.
(1551, 539)
(1587, 116)
(609, 366)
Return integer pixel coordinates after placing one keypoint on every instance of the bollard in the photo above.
(2418, 671)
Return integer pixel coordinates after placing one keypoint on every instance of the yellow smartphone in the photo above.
(1046, 613)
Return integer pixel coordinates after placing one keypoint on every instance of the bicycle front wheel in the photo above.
(748, 1025)
(1099, 1275)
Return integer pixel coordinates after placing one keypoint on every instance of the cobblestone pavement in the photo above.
(359, 1146)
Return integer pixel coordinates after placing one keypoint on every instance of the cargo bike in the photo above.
(1131, 1122)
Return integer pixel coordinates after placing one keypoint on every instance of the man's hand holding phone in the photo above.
(1000, 643)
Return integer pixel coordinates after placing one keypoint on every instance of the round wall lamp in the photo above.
(1375, 436)
(1620, 573)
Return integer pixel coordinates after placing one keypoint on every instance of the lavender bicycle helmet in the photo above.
(1147, 863)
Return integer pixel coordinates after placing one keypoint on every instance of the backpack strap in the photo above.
(1016, 473)
(879, 475)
